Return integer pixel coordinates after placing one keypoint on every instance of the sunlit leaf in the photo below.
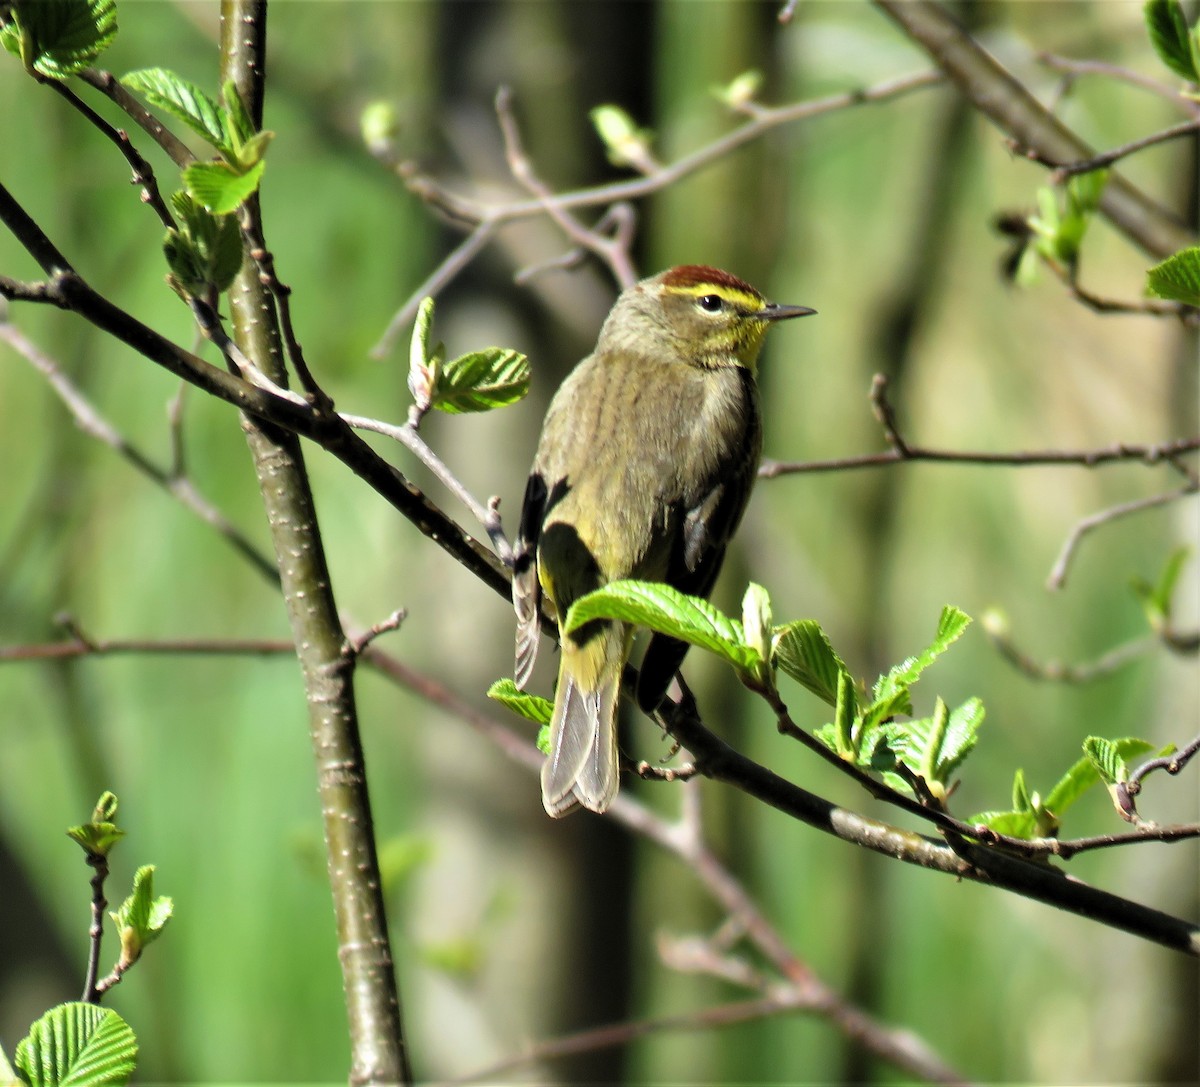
(77, 1044)
(184, 100)
(666, 611)
(482, 380)
(57, 38)
(1177, 277)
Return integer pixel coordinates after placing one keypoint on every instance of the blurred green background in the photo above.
(507, 926)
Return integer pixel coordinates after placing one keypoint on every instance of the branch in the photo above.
(485, 219)
(378, 1051)
(1058, 573)
(903, 450)
(1011, 107)
(719, 761)
(172, 480)
(67, 290)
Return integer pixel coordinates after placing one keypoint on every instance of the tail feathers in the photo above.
(582, 767)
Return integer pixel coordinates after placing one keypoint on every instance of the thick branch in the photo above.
(1002, 98)
(378, 1054)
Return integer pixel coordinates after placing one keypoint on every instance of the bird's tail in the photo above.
(582, 764)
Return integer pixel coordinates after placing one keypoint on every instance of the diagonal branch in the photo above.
(1016, 112)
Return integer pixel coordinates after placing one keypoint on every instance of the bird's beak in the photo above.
(773, 311)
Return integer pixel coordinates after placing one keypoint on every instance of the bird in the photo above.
(646, 459)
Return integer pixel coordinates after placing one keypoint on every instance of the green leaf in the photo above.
(1103, 755)
(934, 747)
(626, 144)
(141, 918)
(190, 103)
(105, 810)
(1084, 774)
(77, 1044)
(206, 251)
(1156, 599)
(741, 90)
(757, 620)
(1059, 231)
(424, 361)
(482, 380)
(1014, 824)
(1168, 32)
(96, 838)
(57, 38)
(1177, 277)
(219, 186)
(530, 706)
(891, 693)
(803, 650)
(844, 715)
(666, 611)
(237, 120)
(1020, 793)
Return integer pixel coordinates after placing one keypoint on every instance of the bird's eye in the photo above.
(711, 303)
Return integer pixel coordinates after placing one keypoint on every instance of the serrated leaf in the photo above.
(1014, 824)
(482, 380)
(1083, 775)
(890, 695)
(77, 1044)
(530, 706)
(141, 918)
(666, 611)
(206, 251)
(1104, 757)
(96, 838)
(184, 100)
(803, 650)
(237, 120)
(219, 187)
(1167, 28)
(105, 810)
(1177, 277)
(57, 38)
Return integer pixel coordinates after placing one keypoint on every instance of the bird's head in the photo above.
(704, 316)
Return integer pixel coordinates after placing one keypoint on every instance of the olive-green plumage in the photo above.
(645, 463)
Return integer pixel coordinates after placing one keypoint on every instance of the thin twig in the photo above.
(613, 251)
(172, 480)
(98, 862)
(1107, 158)
(485, 219)
(1058, 573)
(903, 450)
(407, 435)
(1074, 67)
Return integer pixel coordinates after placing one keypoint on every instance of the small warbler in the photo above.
(647, 456)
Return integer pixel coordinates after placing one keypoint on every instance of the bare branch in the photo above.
(1058, 573)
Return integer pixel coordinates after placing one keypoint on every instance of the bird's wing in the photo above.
(526, 591)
